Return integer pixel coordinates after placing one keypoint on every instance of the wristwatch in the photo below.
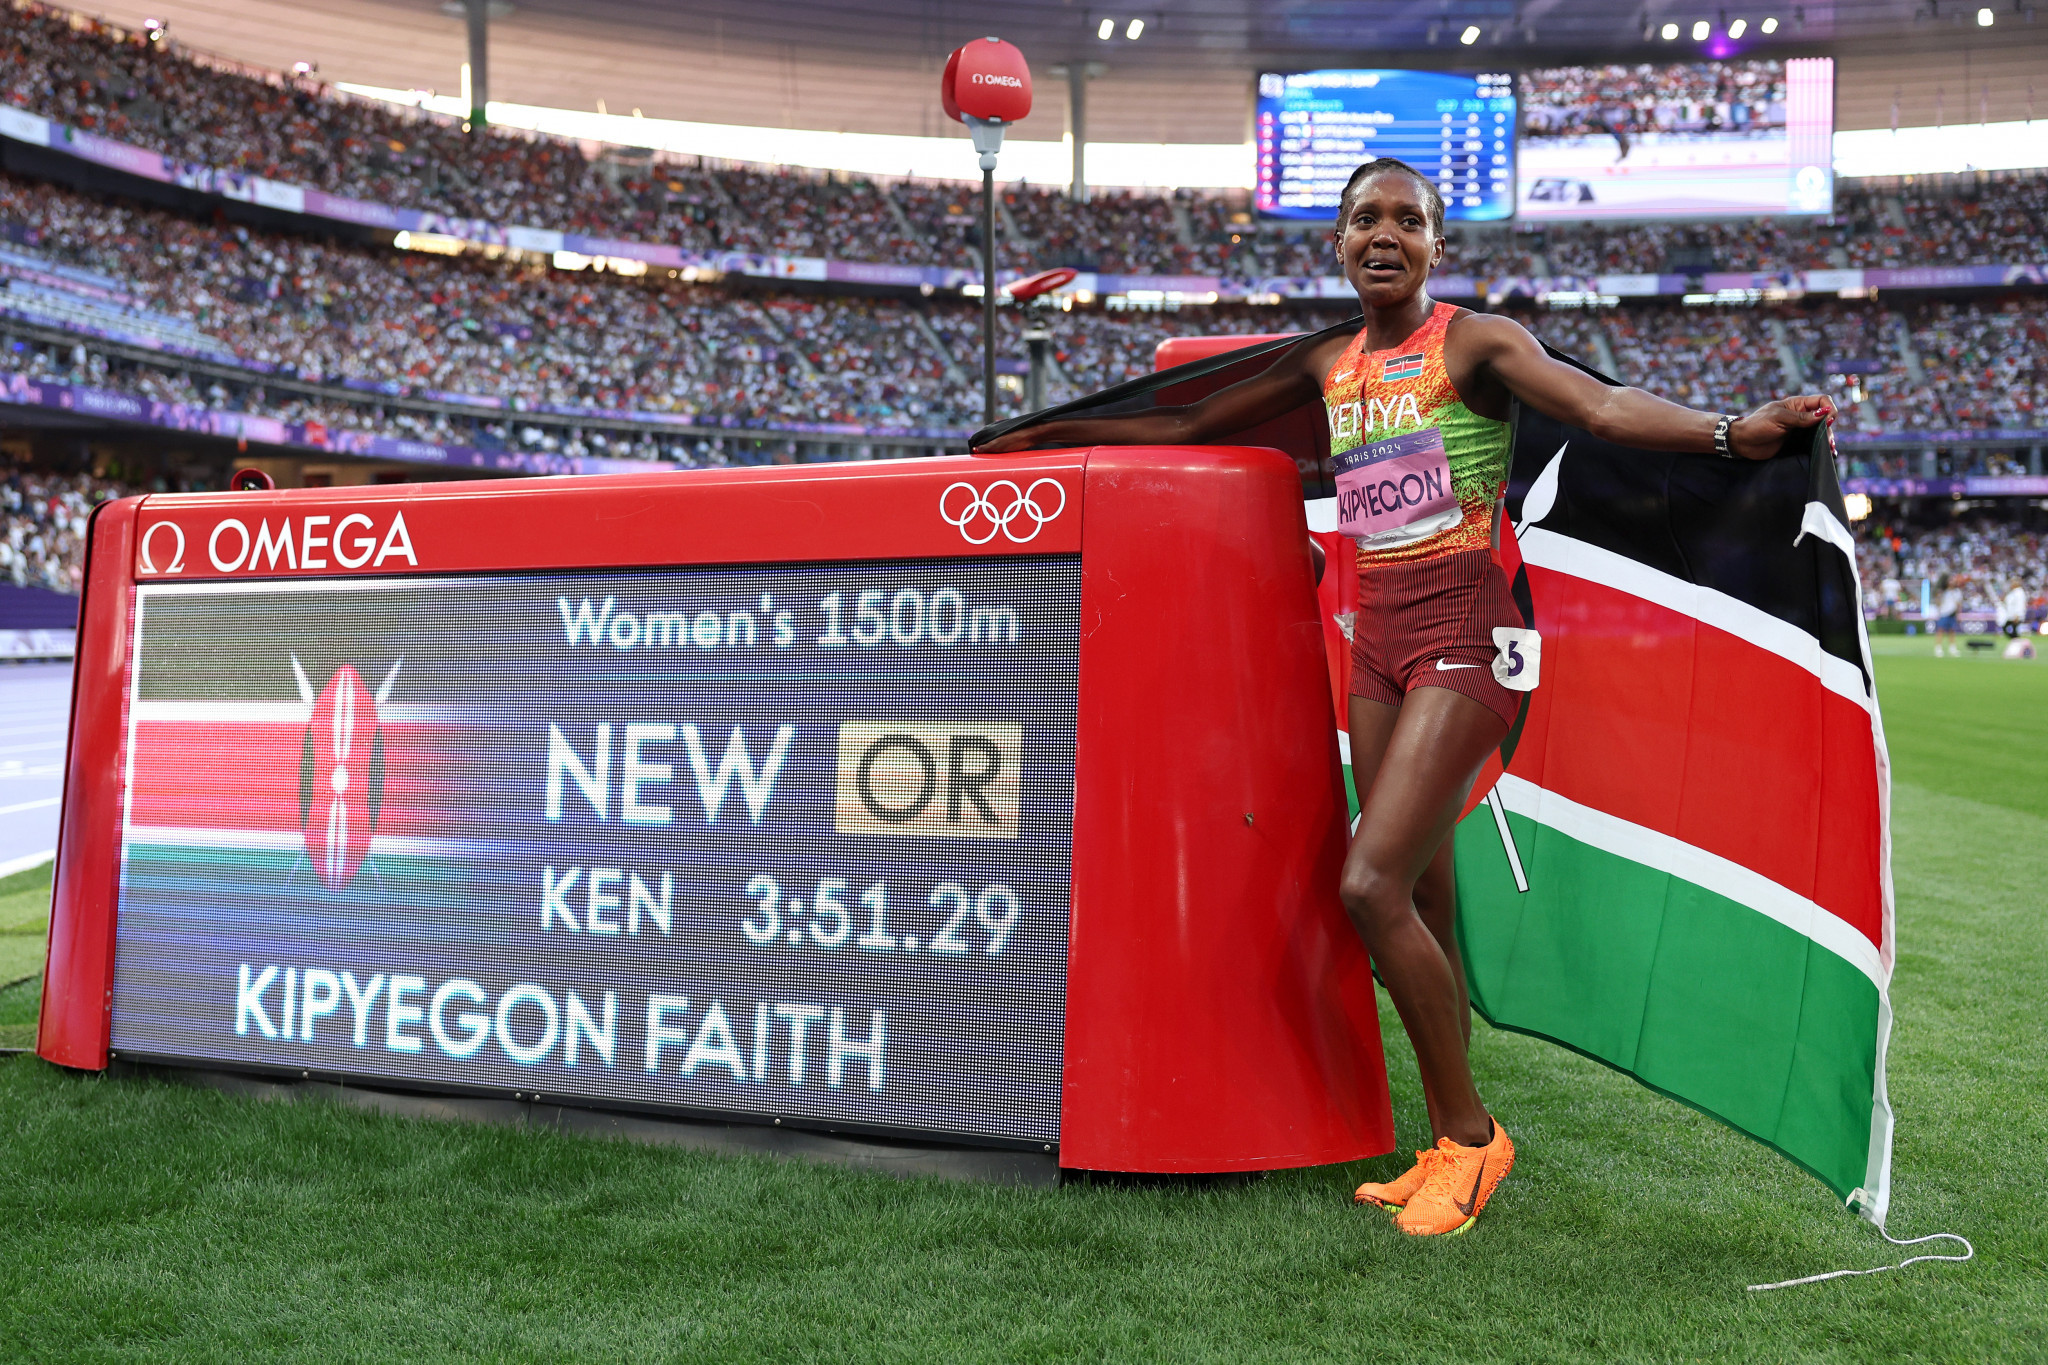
(1721, 437)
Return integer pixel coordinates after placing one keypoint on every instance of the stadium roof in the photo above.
(872, 65)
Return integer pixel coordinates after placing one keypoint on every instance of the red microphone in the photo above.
(987, 86)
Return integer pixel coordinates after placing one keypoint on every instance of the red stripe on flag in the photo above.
(1652, 716)
(245, 775)
(240, 776)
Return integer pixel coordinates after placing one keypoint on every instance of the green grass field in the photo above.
(143, 1220)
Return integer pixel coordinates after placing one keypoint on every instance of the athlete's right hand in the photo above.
(1761, 434)
(1007, 442)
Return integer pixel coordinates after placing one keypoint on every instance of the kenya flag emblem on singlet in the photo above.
(1399, 367)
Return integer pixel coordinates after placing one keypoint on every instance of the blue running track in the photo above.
(35, 711)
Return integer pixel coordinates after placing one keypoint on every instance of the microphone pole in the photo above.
(988, 289)
(987, 86)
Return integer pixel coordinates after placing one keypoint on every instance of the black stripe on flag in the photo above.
(1729, 525)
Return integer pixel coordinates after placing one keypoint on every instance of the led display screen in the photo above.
(1681, 140)
(1313, 128)
(785, 841)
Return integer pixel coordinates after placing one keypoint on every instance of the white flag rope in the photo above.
(1969, 1252)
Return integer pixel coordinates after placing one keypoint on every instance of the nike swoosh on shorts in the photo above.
(1443, 667)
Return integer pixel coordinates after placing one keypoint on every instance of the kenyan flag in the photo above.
(1684, 870)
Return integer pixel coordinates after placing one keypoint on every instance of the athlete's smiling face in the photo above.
(1389, 242)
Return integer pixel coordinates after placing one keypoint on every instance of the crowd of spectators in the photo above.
(125, 85)
(1980, 555)
(1998, 218)
(42, 526)
(129, 87)
(331, 313)
(1718, 359)
(1625, 100)
(1982, 366)
(421, 326)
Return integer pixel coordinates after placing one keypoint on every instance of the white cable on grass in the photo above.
(1968, 1253)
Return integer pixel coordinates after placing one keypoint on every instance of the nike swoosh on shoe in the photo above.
(1465, 1204)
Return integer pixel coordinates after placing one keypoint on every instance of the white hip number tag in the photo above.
(1518, 659)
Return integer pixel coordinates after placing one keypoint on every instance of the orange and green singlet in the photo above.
(1418, 473)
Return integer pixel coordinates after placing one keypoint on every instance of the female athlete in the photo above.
(1423, 394)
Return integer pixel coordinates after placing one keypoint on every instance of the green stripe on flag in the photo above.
(1694, 994)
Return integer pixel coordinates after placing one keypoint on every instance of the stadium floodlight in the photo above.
(1700, 29)
(1769, 26)
(1106, 30)
(1738, 28)
(1985, 17)
(1137, 29)
(1668, 32)
(1470, 35)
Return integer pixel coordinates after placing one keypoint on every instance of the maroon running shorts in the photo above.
(1430, 623)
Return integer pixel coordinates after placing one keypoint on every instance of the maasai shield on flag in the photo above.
(1684, 869)
(341, 777)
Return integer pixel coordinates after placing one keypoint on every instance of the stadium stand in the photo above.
(498, 350)
(405, 325)
(42, 526)
(1982, 555)
(204, 110)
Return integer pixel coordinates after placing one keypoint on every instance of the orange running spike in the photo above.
(1398, 1191)
(1459, 1182)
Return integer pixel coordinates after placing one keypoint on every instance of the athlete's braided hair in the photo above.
(1431, 199)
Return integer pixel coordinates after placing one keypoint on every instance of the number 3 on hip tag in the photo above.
(1520, 656)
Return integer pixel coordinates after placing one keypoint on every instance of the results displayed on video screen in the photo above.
(1313, 128)
(1643, 140)
(1689, 139)
(787, 841)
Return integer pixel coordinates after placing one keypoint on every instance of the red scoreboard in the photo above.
(983, 800)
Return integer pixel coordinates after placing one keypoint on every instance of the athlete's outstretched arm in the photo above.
(1504, 350)
(1286, 383)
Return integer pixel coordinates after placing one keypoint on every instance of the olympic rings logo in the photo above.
(981, 510)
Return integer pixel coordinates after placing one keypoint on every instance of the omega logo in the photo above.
(177, 560)
(353, 541)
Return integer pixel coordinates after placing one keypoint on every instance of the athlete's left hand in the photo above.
(1761, 434)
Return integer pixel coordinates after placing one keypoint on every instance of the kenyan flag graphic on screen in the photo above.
(308, 778)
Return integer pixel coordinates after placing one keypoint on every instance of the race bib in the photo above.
(1518, 658)
(1396, 490)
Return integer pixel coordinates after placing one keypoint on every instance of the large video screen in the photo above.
(1313, 128)
(772, 841)
(1683, 140)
